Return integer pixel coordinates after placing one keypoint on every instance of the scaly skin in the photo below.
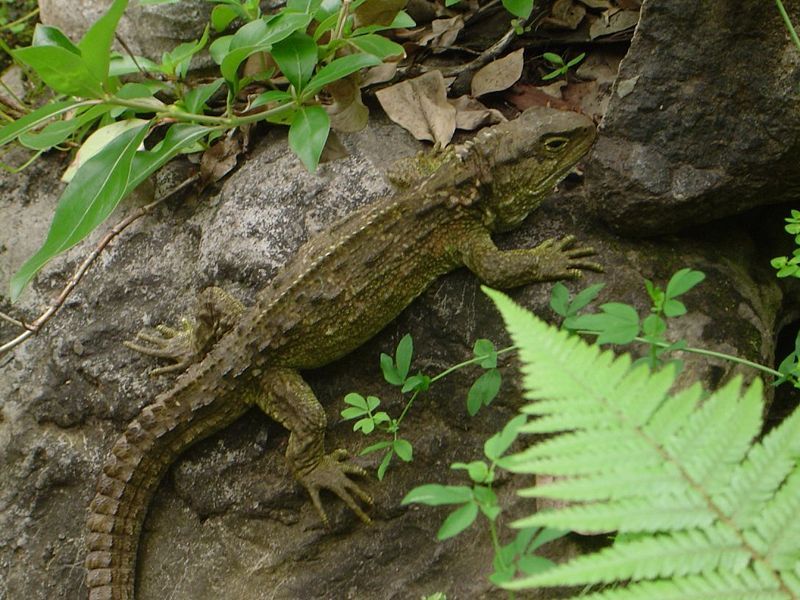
(342, 288)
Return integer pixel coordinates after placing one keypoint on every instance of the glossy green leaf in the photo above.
(258, 36)
(496, 445)
(96, 43)
(405, 349)
(65, 72)
(457, 521)
(178, 137)
(403, 449)
(682, 281)
(38, 118)
(308, 133)
(483, 391)
(434, 494)
(222, 16)
(86, 202)
(519, 8)
(44, 35)
(486, 352)
(617, 324)
(296, 57)
(270, 97)
(377, 45)
(338, 69)
(584, 297)
(195, 100)
(390, 373)
(559, 299)
(58, 131)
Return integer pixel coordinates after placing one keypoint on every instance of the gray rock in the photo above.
(228, 520)
(705, 118)
(148, 30)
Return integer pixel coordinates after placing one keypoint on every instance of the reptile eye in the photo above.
(555, 144)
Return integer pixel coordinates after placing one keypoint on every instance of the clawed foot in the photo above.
(173, 344)
(566, 257)
(332, 473)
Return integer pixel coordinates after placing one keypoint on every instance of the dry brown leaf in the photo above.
(604, 4)
(524, 96)
(333, 150)
(420, 106)
(377, 12)
(380, 74)
(498, 75)
(220, 158)
(612, 23)
(471, 114)
(442, 34)
(347, 112)
(565, 14)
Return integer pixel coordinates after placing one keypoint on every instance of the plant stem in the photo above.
(789, 26)
(21, 20)
(175, 114)
(343, 14)
(702, 352)
(466, 363)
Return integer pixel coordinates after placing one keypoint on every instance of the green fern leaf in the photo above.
(714, 514)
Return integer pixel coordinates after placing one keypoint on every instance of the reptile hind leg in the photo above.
(216, 313)
(288, 399)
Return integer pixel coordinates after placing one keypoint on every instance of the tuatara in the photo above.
(341, 288)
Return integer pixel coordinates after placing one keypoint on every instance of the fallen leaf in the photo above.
(380, 74)
(347, 112)
(471, 114)
(420, 106)
(617, 22)
(524, 96)
(442, 33)
(377, 12)
(565, 14)
(498, 75)
(220, 158)
(604, 4)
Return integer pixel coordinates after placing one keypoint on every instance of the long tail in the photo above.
(131, 474)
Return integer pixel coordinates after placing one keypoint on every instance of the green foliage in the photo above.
(619, 323)
(789, 266)
(709, 511)
(396, 372)
(86, 76)
(518, 556)
(561, 67)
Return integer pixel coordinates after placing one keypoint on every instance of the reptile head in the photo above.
(526, 158)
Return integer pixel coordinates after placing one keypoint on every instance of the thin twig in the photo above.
(35, 326)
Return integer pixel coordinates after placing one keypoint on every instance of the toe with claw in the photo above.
(333, 473)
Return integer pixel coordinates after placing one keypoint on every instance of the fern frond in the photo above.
(715, 514)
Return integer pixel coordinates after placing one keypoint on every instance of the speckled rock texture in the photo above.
(704, 121)
(228, 521)
(147, 30)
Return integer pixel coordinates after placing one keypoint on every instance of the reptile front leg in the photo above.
(216, 313)
(285, 397)
(549, 261)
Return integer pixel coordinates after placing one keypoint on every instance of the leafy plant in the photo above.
(519, 555)
(789, 266)
(396, 372)
(561, 67)
(147, 122)
(619, 323)
(706, 510)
